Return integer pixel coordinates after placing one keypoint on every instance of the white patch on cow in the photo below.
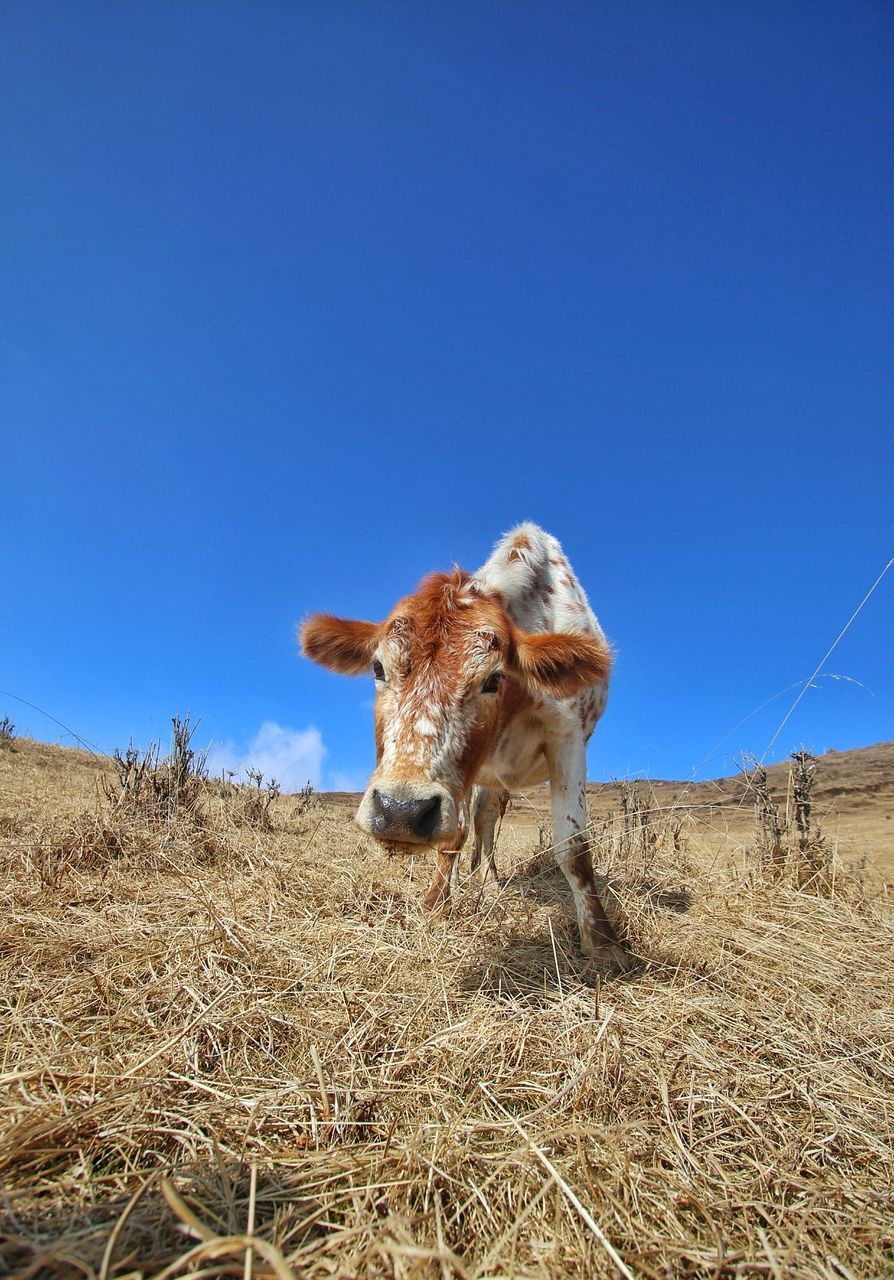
(448, 749)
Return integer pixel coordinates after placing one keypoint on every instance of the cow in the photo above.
(484, 682)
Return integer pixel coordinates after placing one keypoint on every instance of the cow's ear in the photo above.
(339, 644)
(560, 663)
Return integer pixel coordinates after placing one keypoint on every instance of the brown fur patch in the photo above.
(581, 869)
(441, 616)
(437, 628)
(519, 544)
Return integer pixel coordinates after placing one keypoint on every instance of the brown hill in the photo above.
(848, 777)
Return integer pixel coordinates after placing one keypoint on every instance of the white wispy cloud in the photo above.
(339, 780)
(292, 756)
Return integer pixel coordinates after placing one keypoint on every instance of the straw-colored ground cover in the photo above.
(229, 1051)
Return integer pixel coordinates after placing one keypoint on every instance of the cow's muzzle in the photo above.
(408, 813)
(416, 819)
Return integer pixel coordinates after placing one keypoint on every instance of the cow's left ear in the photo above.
(560, 663)
(339, 644)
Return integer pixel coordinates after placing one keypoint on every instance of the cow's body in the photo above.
(530, 575)
(492, 682)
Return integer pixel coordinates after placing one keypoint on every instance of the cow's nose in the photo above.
(395, 818)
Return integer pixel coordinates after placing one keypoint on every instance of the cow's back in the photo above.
(529, 572)
(536, 585)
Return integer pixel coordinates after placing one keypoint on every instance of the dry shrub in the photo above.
(283, 1055)
(155, 789)
(641, 830)
(788, 846)
(251, 804)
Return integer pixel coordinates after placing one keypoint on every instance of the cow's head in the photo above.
(451, 670)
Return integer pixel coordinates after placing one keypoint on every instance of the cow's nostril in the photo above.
(427, 818)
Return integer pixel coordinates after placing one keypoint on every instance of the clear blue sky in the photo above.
(300, 301)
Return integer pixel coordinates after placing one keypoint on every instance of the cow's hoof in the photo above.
(610, 957)
(436, 906)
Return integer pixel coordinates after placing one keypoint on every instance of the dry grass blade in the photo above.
(250, 1225)
(568, 1192)
(223, 1247)
(116, 1230)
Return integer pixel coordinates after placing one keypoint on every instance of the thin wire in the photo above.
(824, 659)
(95, 751)
(34, 707)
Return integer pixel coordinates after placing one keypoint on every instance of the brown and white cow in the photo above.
(486, 682)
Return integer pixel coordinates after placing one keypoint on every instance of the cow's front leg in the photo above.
(568, 779)
(487, 807)
(438, 894)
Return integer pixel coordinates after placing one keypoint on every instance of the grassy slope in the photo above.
(189, 1012)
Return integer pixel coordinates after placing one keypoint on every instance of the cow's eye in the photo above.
(493, 682)
(378, 670)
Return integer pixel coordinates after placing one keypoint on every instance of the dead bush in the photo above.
(639, 831)
(158, 789)
(789, 847)
(250, 804)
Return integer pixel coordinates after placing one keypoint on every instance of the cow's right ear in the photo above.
(340, 645)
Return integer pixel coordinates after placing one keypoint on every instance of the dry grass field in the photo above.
(231, 1044)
